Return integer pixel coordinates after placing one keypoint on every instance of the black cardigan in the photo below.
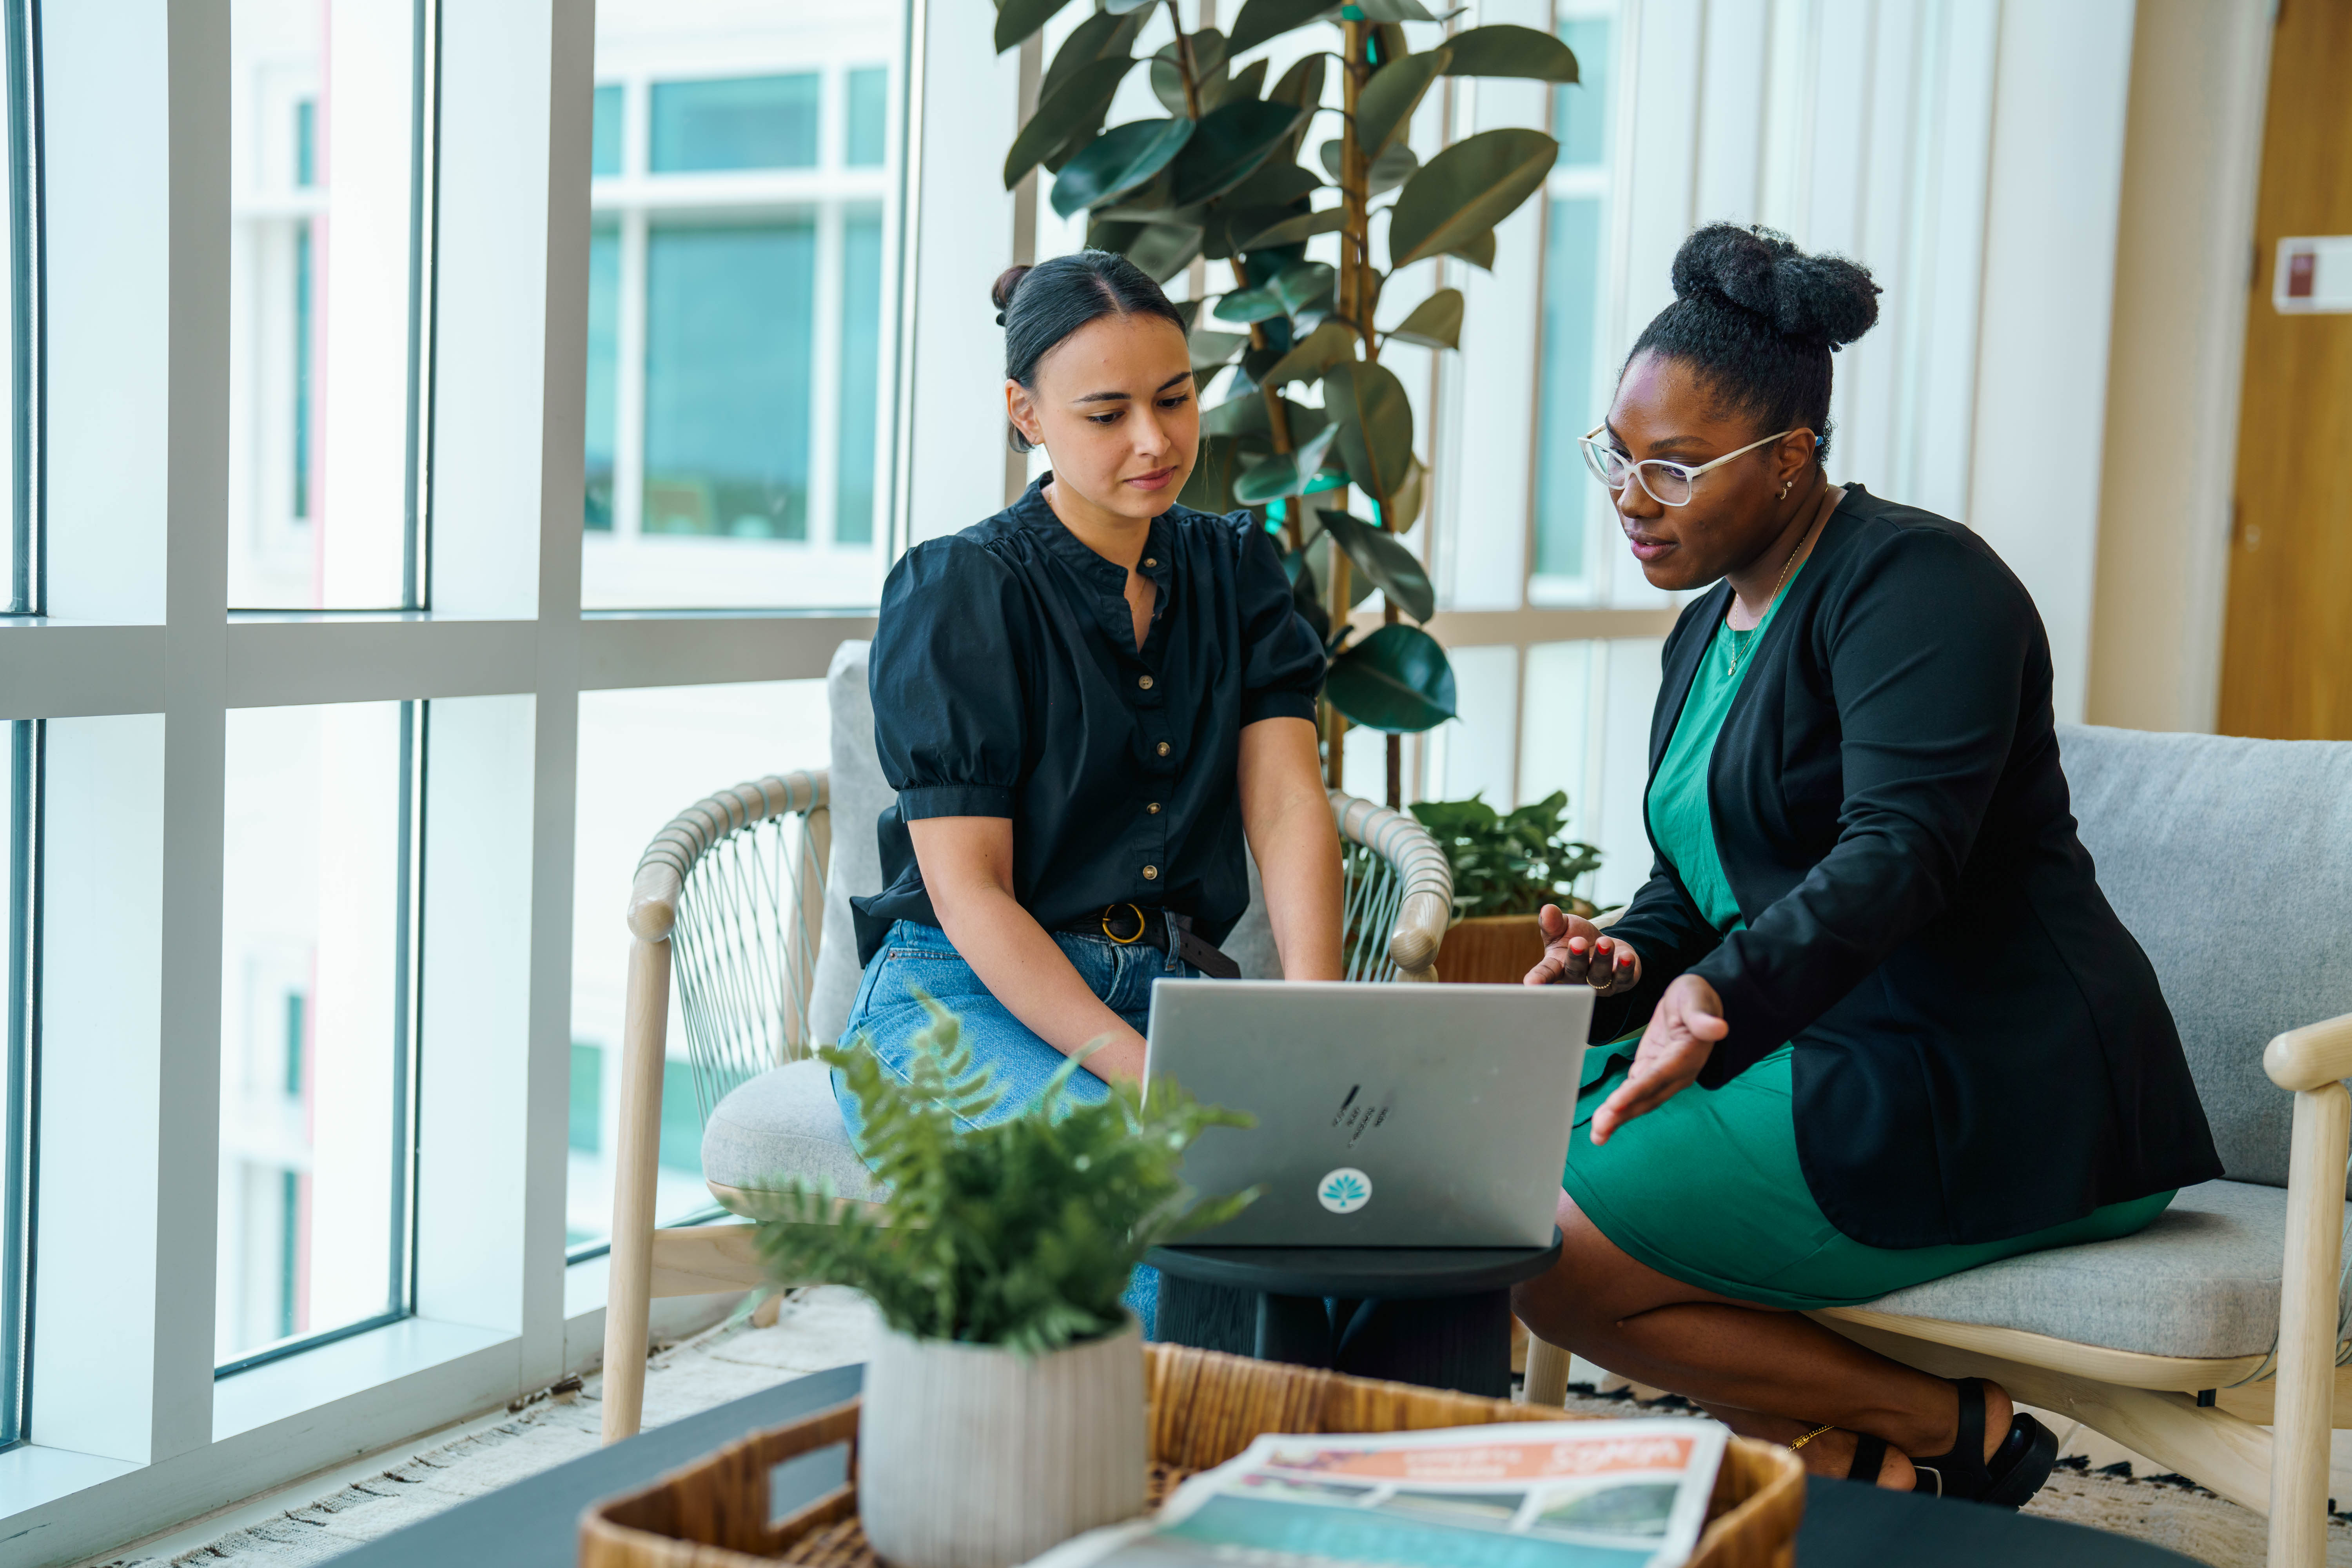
(1981, 1048)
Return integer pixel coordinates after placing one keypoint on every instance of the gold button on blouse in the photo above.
(1144, 682)
(1147, 561)
(1163, 748)
(1151, 873)
(1153, 808)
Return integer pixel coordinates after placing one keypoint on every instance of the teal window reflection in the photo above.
(1580, 113)
(605, 140)
(869, 98)
(603, 372)
(736, 122)
(728, 326)
(1571, 298)
(861, 373)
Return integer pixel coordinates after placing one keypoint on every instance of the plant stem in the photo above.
(1185, 64)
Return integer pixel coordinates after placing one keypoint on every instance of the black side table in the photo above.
(1439, 1316)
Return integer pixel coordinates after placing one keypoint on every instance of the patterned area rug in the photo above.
(830, 1327)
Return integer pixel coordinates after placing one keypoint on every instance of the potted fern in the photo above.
(1004, 1407)
(1506, 866)
(1244, 175)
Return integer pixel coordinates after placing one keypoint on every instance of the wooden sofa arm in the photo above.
(2313, 1056)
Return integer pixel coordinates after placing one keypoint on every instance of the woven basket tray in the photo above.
(1206, 1408)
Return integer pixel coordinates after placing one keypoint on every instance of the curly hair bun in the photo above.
(1000, 294)
(1812, 299)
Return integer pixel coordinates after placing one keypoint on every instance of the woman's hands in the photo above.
(1683, 1031)
(1575, 950)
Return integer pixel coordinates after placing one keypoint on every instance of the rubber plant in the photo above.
(1241, 174)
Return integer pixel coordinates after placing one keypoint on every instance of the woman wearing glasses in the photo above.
(1871, 1021)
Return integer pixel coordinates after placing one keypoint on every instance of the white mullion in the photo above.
(186, 1207)
(629, 384)
(827, 325)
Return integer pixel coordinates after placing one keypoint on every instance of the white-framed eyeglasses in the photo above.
(1668, 484)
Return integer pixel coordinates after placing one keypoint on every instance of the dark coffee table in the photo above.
(1439, 1316)
(535, 1523)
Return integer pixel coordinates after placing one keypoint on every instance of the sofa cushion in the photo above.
(859, 797)
(781, 1124)
(2201, 1281)
(2230, 860)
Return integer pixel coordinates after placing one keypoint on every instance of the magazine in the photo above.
(1559, 1494)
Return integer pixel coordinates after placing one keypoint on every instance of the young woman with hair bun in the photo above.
(1871, 1021)
(1087, 703)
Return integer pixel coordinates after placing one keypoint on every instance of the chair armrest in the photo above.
(2312, 1056)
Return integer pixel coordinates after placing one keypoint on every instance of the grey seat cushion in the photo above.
(780, 1125)
(860, 795)
(2202, 1281)
(2205, 845)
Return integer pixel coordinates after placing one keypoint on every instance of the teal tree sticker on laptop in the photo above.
(1344, 1190)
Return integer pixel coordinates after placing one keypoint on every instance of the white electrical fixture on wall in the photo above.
(2313, 276)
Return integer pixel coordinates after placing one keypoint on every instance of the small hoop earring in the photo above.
(1785, 488)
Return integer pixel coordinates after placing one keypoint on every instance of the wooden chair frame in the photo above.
(2201, 1417)
(704, 1260)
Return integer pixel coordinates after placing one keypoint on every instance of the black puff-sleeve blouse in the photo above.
(1006, 682)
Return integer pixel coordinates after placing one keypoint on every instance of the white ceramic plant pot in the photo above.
(970, 1457)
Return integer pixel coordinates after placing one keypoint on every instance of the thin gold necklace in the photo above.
(1739, 649)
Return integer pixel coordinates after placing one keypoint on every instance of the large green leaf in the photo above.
(1386, 562)
(1101, 36)
(1375, 420)
(1384, 108)
(1321, 349)
(1118, 161)
(1209, 486)
(1466, 190)
(1164, 250)
(1016, 19)
(1302, 87)
(1390, 170)
(1284, 473)
(1397, 11)
(1478, 250)
(1263, 19)
(1121, 8)
(1297, 229)
(1213, 352)
(1401, 510)
(1505, 48)
(1397, 680)
(1277, 183)
(1245, 83)
(1246, 415)
(1082, 101)
(1208, 71)
(1299, 285)
(1229, 146)
(1317, 566)
(1249, 305)
(1434, 324)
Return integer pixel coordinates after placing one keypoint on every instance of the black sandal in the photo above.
(2013, 1474)
(1869, 1454)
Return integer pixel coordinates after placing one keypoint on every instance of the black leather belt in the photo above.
(1162, 931)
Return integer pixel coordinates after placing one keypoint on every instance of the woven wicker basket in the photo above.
(1206, 1408)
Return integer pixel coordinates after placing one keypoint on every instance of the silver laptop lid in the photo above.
(1387, 1115)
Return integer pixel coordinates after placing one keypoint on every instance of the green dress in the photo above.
(1707, 1188)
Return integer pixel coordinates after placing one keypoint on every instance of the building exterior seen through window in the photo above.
(324, 152)
(742, 244)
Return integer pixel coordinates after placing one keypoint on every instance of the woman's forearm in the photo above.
(1288, 818)
(1025, 969)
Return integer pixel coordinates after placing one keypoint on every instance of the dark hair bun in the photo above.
(1812, 299)
(1001, 295)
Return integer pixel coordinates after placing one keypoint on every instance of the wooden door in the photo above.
(2287, 657)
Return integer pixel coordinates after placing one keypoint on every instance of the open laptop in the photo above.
(1387, 1115)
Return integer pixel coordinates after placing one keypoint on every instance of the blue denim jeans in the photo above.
(920, 958)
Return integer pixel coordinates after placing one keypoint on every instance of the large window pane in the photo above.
(1580, 111)
(742, 255)
(1566, 493)
(324, 151)
(728, 321)
(314, 1050)
(748, 122)
(644, 756)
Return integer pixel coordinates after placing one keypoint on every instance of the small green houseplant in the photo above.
(1506, 866)
(1233, 175)
(1004, 1407)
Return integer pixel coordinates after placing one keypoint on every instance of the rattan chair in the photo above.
(727, 902)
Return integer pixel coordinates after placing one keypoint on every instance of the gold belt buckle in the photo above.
(1141, 924)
